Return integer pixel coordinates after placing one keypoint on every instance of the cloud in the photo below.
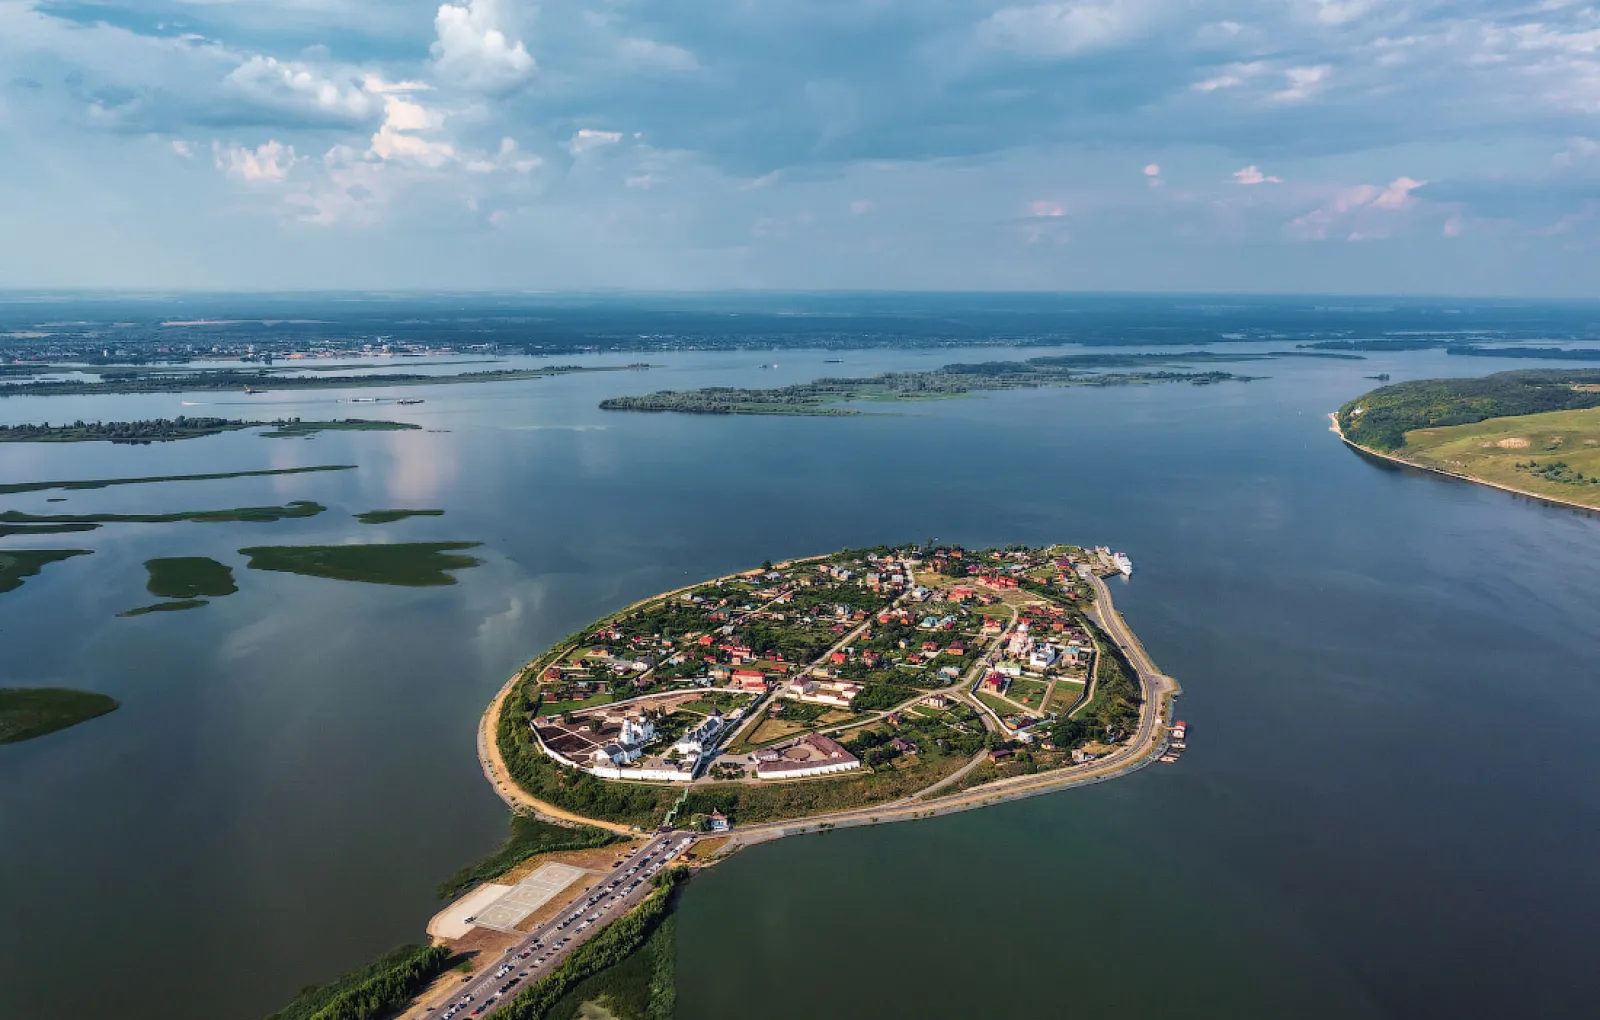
(293, 85)
(1303, 82)
(1252, 175)
(268, 163)
(1152, 170)
(473, 50)
(1044, 208)
(182, 148)
(1368, 211)
(1234, 75)
(861, 206)
(589, 139)
(1065, 29)
(1455, 226)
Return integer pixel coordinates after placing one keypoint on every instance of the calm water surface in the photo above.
(1387, 808)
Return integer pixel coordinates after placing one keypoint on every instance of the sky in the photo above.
(1308, 146)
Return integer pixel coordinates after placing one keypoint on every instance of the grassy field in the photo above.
(390, 516)
(101, 483)
(1556, 454)
(1028, 692)
(16, 565)
(411, 564)
(1066, 695)
(26, 713)
(189, 577)
(1000, 705)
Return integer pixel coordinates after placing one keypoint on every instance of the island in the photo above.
(18, 522)
(855, 688)
(17, 565)
(1534, 433)
(165, 430)
(406, 564)
(29, 712)
(819, 396)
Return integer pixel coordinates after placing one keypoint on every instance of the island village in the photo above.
(829, 665)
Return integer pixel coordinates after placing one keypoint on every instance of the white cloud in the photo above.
(1252, 175)
(1152, 170)
(183, 148)
(861, 206)
(300, 86)
(473, 49)
(267, 163)
(1065, 29)
(1370, 211)
(1338, 12)
(397, 137)
(640, 181)
(1303, 83)
(1043, 207)
(588, 139)
(766, 180)
(657, 56)
(1453, 227)
(1231, 76)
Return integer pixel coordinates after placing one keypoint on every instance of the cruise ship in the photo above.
(1123, 563)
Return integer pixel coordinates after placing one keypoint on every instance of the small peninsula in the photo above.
(819, 396)
(1535, 433)
(390, 516)
(29, 712)
(17, 565)
(7, 488)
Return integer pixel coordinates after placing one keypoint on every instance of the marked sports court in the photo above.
(528, 895)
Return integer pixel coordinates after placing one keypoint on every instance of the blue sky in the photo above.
(1411, 146)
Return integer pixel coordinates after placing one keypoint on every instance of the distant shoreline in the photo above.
(1333, 417)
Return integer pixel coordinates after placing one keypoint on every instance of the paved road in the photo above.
(487, 989)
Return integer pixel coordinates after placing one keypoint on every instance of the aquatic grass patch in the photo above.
(102, 483)
(390, 516)
(16, 565)
(377, 990)
(408, 564)
(250, 514)
(28, 712)
(187, 577)
(164, 607)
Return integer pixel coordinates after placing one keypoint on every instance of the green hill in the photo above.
(1380, 419)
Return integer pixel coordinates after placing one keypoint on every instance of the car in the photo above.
(522, 974)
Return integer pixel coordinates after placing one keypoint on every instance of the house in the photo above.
(938, 701)
(752, 680)
(836, 693)
(718, 821)
(957, 648)
(838, 658)
(722, 673)
(903, 745)
(994, 683)
(637, 731)
(1042, 656)
(697, 739)
(999, 753)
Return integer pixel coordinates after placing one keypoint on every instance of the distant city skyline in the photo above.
(1301, 147)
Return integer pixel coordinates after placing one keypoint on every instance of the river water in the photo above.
(1387, 808)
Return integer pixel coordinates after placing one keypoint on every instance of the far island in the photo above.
(821, 396)
(1535, 433)
(166, 430)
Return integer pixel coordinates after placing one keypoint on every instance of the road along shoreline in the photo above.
(1333, 417)
(1148, 743)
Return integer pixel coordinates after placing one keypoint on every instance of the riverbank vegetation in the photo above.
(1113, 712)
(409, 564)
(1381, 419)
(17, 565)
(294, 428)
(390, 516)
(9, 488)
(529, 836)
(188, 577)
(154, 430)
(376, 991)
(643, 986)
(611, 946)
(28, 712)
(819, 396)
